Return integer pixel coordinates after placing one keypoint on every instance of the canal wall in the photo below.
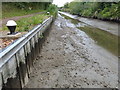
(16, 61)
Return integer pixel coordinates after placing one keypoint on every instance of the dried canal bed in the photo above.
(69, 58)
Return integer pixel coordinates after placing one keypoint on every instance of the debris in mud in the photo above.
(5, 42)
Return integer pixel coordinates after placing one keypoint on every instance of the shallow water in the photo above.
(111, 27)
(102, 37)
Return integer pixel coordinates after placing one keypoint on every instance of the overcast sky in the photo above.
(60, 3)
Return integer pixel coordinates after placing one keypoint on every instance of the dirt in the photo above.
(5, 42)
(71, 59)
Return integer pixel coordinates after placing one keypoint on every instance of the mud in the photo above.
(71, 59)
(111, 27)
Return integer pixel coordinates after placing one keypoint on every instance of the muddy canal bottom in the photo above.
(101, 37)
(71, 59)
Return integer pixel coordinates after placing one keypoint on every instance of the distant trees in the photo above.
(66, 5)
(29, 5)
(102, 10)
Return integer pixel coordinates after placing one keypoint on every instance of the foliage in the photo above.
(102, 10)
(52, 9)
(28, 5)
(66, 5)
(11, 9)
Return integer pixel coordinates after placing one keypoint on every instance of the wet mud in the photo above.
(69, 58)
(111, 27)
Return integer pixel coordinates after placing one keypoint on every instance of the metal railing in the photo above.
(16, 61)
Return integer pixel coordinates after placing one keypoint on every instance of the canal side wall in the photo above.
(16, 61)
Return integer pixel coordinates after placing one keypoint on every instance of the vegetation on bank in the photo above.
(11, 9)
(100, 10)
(53, 9)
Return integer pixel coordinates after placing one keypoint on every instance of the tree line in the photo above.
(100, 10)
(28, 5)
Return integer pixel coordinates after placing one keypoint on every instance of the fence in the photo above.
(16, 61)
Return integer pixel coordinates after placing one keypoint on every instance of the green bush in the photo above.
(52, 9)
(103, 10)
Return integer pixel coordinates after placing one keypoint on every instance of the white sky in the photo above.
(60, 3)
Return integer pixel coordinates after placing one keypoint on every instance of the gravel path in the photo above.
(70, 59)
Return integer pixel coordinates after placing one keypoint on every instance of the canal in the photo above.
(70, 58)
(104, 33)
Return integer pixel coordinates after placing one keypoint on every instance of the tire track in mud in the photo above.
(68, 60)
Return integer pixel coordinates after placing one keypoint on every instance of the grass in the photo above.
(103, 38)
(11, 11)
(28, 23)
(23, 24)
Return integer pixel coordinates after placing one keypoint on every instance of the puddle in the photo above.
(81, 25)
(103, 38)
(70, 25)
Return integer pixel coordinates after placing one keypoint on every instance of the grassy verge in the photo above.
(103, 38)
(28, 23)
(11, 11)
